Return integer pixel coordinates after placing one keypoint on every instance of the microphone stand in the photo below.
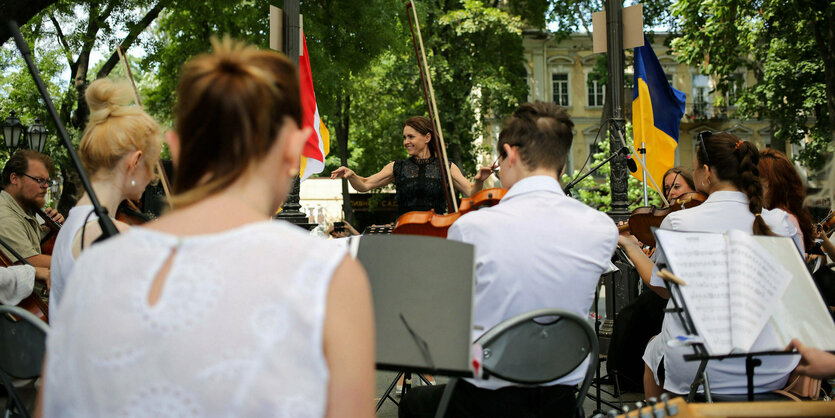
(567, 189)
(108, 229)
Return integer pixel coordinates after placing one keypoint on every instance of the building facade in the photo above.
(562, 72)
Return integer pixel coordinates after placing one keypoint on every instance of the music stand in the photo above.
(700, 352)
(422, 288)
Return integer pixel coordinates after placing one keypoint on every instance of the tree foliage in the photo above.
(789, 46)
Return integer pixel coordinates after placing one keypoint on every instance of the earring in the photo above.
(133, 182)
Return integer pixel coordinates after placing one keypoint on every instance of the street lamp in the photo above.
(36, 135)
(12, 130)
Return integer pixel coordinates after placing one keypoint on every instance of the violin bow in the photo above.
(166, 187)
(429, 95)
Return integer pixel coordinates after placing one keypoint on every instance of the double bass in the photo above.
(428, 222)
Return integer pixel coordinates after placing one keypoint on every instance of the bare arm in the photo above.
(40, 260)
(349, 342)
(463, 185)
(642, 263)
(364, 184)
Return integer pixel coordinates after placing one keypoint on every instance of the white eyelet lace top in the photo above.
(237, 330)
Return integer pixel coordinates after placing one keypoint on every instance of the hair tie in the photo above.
(738, 143)
(757, 214)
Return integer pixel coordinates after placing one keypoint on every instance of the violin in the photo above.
(436, 225)
(827, 223)
(644, 218)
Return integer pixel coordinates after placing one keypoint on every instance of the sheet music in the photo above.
(700, 259)
(756, 281)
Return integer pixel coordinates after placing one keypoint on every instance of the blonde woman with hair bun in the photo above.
(215, 308)
(119, 149)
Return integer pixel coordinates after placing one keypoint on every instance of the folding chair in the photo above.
(536, 347)
(22, 348)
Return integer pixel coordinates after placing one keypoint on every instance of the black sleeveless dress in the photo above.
(419, 185)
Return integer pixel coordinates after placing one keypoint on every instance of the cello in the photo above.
(428, 222)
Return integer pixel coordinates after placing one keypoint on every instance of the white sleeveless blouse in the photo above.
(62, 258)
(237, 330)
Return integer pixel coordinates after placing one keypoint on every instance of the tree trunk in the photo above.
(343, 107)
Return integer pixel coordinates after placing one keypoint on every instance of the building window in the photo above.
(596, 93)
(701, 91)
(735, 84)
(560, 88)
(669, 78)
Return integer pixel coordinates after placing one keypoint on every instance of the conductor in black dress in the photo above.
(418, 180)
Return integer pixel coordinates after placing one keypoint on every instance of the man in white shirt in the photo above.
(17, 282)
(536, 249)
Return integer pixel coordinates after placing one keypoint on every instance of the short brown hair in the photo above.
(19, 163)
(231, 105)
(543, 133)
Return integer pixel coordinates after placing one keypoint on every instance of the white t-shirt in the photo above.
(722, 211)
(62, 257)
(536, 249)
(237, 330)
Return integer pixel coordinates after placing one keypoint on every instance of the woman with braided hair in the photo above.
(726, 170)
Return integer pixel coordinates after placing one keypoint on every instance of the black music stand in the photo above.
(422, 288)
(700, 352)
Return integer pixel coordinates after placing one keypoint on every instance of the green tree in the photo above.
(790, 47)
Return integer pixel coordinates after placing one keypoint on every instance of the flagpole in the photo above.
(643, 151)
(290, 211)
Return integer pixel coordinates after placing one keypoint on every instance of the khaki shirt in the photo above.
(18, 229)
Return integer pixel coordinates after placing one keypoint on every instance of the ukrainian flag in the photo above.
(657, 109)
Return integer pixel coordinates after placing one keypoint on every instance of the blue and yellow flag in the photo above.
(657, 109)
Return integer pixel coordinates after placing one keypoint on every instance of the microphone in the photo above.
(631, 164)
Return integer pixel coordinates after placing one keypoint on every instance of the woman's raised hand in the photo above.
(483, 174)
(342, 173)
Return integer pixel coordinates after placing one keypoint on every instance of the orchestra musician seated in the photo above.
(26, 178)
(536, 248)
(726, 170)
(215, 308)
(120, 147)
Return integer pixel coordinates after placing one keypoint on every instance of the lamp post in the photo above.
(12, 130)
(36, 136)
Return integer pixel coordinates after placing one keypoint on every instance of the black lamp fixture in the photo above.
(12, 131)
(36, 135)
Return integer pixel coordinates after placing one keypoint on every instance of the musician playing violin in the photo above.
(536, 248)
(677, 182)
(26, 178)
(726, 169)
(418, 180)
(120, 147)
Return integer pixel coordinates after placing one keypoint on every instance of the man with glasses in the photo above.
(26, 178)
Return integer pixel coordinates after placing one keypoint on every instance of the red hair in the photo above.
(785, 189)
